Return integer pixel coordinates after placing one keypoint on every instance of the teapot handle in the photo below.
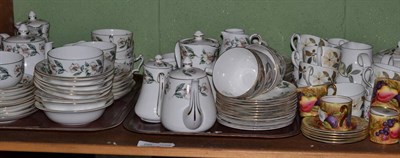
(178, 56)
(161, 88)
(141, 59)
(193, 115)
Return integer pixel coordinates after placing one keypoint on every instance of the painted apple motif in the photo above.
(385, 94)
(394, 131)
(307, 103)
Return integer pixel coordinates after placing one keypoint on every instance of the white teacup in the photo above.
(311, 75)
(322, 56)
(127, 65)
(108, 49)
(122, 38)
(336, 42)
(353, 90)
(128, 53)
(76, 61)
(11, 69)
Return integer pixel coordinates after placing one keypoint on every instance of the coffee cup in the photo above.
(335, 112)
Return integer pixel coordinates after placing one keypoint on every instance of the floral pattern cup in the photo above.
(11, 69)
(122, 38)
(310, 75)
(108, 49)
(322, 56)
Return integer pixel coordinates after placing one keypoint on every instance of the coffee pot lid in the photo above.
(158, 63)
(198, 39)
(187, 72)
(24, 36)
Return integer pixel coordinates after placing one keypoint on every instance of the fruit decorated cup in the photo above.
(384, 126)
(309, 98)
(386, 94)
(335, 112)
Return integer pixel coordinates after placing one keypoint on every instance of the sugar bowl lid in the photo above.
(395, 52)
(199, 39)
(158, 63)
(187, 72)
(33, 21)
(23, 36)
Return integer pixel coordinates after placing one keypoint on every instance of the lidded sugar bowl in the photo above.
(148, 107)
(33, 48)
(188, 104)
(36, 26)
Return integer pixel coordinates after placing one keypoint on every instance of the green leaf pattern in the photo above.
(88, 69)
(148, 77)
(4, 74)
(348, 71)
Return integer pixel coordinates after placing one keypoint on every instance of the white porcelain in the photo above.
(188, 104)
(281, 90)
(122, 38)
(10, 119)
(11, 69)
(356, 57)
(312, 75)
(123, 91)
(109, 52)
(33, 48)
(18, 96)
(353, 90)
(18, 112)
(36, 27)
(299, 41)
(234, 37)
(127, 65)
(148, 106)
(236, 72)
(76, 61)
(123, 54)
(336, 42)
(170, 59)
(16, 102)
(17, 107)
(388, 56)
(75, 117)
(72, 105)
(322, 56)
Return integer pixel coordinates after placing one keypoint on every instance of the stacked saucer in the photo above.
(272, 110)
(17, 101)
(122, 84)
(72, 100)
(312, 128)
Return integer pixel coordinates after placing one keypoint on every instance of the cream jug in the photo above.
(188, 104)
(33, 48)
(235, 37)
(148, 107)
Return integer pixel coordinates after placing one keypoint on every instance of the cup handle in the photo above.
(161, 88)
(363, 60)
(141, 59)
(310, 72)
(366, 79)
(333, 86)
(256, 39)
(292, 39)
(387, 59)
(295, 59)
(319, 55)
(178, 57)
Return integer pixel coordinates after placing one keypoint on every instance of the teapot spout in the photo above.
(47, 47)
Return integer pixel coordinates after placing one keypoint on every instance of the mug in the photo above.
(322, 56)
(309, 98)
(310, 75)
(335, 112)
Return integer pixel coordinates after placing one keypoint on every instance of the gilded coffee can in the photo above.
(384, 126)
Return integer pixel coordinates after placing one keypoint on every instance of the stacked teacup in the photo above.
(73, 87)
(124, 58)
(16, 90)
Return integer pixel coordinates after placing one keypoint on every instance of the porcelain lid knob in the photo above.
(23, 30)
(32, 16)
(187, 63)
(198, 35)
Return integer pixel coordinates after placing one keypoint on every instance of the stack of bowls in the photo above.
(16, 90)
(124, 58)
(72, 86)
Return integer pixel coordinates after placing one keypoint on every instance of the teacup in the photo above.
(378, 70)
(127, 65)
(310, 75)
(108, 49)
(322, 56)
(356, 57)
(309, 98)
(128, 53)
(386, 93)
(336, 42)
(122, 38)
(76, 61)
(298, 42)
(335, 112)
(353, 90)
(170, 59)
(11, 69)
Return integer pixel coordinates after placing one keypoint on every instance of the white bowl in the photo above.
(73, 118)
(74, 105)
(236, 72)
(11, 69)
(76, 61)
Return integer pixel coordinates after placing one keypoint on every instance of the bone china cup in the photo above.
(76, 61)
(108, 49)
(310, 75)
(309, 98)
(11, 69)
(122, 38)
(335, 112)
(355, 91)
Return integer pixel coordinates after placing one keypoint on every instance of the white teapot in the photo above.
(33, 48)
(188, 104)
(148, 107)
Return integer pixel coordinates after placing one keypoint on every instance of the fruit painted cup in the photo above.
(384, 126)
(386, 94)
(335, 112)
(309, 98)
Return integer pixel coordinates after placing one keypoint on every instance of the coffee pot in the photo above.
(188, 104)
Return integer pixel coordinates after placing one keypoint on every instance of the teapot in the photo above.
(234, 37)
(202, 51)
(36, 26)
(33, 48)
(147, 107)
(188, 104)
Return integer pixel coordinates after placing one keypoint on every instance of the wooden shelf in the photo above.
(119, 141)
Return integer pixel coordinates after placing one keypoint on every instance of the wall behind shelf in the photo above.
(158, 24)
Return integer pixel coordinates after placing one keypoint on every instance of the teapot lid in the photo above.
(187, 72)
(23, 36)
(158, 63)
(33, 21)
(200, 40)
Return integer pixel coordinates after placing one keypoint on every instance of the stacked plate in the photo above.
(18, 101)
(272, 110)
(72, 100)
(122, 84)
(312, 128)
